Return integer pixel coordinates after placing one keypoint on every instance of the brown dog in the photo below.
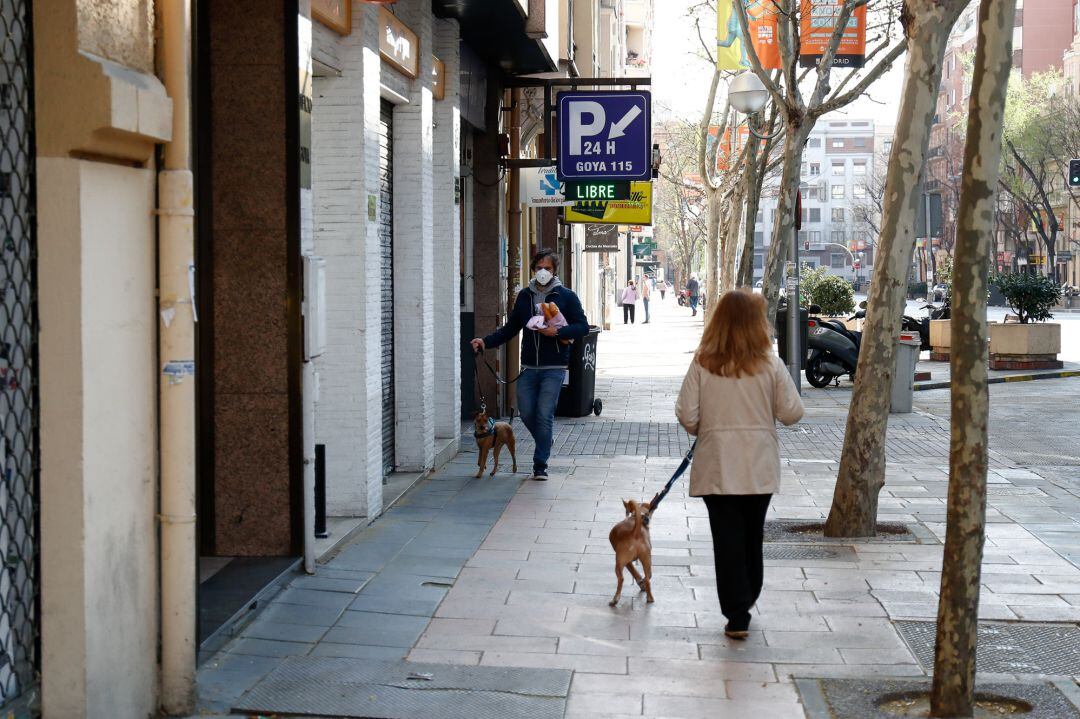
(488, 435)
(630, 540)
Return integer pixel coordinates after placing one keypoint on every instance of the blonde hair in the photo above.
(738, 338)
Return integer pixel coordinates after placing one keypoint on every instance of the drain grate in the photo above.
(1007, 648)
(327, 686)
(803, 531)
(795, 551)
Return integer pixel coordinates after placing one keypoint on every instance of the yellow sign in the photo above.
(635, 211)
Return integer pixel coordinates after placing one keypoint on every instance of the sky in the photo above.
(681, 75)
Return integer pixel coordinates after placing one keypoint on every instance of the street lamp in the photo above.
(747, 93)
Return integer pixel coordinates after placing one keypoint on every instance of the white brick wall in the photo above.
(345, 125)
(414, 295)
(447, 239)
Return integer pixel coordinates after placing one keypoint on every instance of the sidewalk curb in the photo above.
(1054, 374)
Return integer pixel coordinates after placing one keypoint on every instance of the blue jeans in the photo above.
(537, 394)
(645, 301)
(693, 303)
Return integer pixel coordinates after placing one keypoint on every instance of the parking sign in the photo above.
(605, 135)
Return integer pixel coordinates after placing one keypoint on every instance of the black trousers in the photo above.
(737, 522)
(627, 311)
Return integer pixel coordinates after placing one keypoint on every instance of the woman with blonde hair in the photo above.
(735, 390)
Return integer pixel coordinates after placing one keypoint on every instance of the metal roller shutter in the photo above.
(386, 258)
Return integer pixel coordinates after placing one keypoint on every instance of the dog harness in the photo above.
(489, 432)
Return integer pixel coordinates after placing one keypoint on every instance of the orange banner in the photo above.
(817, 23)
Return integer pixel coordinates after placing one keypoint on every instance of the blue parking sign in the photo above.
(605, 135)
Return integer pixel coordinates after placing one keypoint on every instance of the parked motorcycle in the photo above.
(833, 350)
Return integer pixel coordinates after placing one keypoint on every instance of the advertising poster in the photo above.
(819, 18)
(635, 211)
(730, 51)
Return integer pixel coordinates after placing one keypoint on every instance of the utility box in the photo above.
(903, 386)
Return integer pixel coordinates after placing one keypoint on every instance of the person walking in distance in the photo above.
(629, 298)
(645, 292)
(545, 353)
(735, 390)
(662, 287)
(693, 289)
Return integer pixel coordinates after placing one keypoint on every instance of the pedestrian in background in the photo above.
(693, 290)
(735, 390)
(662, 286)
(645, 292)
(629, 297)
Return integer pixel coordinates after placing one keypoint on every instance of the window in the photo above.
(759, 239)
(860, 124)
(838, 167)
(838, 260)
(810, 193)
(859, 168)
(837, 124)
(814, 236)
(860, 142)
(838, 143)
(838, 214)
(888, 146)
(760, 217)
(858, 192)
(838, 236)
(815, 214)
(814, 142)
(759, 262)
(802, 172)
(772, 215)
(815, 168)
(837, 192)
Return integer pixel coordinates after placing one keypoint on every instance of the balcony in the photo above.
(634, 12)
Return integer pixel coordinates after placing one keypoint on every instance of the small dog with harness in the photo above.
(630, 540)
(490, 435)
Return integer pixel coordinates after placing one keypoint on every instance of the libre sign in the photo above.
(605, 135)
(635, 211)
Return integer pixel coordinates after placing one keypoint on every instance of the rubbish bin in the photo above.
(577, 396)
(782, 334)
(903, 385)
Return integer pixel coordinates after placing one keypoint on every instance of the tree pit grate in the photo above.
(801, 531)
(1006, 648)
(797, 552)
(892, 698)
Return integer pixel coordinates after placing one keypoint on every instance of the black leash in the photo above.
(494, 372)
(667, 487)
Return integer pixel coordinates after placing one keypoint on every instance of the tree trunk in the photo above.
(712, 252)
(731, 236)
(798, 129)
(754, 179)
(862, 465)
(953, 692)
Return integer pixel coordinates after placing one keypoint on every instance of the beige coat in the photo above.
(735, 422)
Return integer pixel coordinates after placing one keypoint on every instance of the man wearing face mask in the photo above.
(544, 358)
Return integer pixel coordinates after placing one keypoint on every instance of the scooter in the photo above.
(833, 350)
(907, 324)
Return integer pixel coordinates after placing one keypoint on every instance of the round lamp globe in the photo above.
(747, 93)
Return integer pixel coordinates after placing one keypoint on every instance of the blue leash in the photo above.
(667, 487)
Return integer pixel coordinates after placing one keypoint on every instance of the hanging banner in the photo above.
(728, 148)
(635, 211)
(601, 238)
(730, 51)
(817, 22)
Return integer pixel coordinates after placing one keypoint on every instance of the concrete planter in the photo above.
(1031, 346)
(940, 340)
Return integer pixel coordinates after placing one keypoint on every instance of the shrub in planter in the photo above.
(1030, 296)
(834, 295)
(809, 279)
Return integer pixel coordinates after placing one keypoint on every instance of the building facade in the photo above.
(840, 185)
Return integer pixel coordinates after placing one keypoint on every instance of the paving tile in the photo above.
(330, 584)
(675, 707)
(656, 649)
(387, 630)
(315, 598)
(359, 651)
(268, 647)
(580, 705)
(300, 614)
(701, 670)
(579, 663)
(388, 604)
(446, 656)
(263, 628)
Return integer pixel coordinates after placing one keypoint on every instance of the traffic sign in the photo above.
(605, 135)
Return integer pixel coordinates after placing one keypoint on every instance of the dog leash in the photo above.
(667, 487)
(494, 372)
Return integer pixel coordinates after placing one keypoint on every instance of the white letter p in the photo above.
(578, 109)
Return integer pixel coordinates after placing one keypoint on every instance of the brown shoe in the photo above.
(735, 633)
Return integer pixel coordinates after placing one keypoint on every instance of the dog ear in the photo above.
(626, 505)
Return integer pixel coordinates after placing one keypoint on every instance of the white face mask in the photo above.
(543, 276)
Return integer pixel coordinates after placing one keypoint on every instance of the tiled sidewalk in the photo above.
(533, 591)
